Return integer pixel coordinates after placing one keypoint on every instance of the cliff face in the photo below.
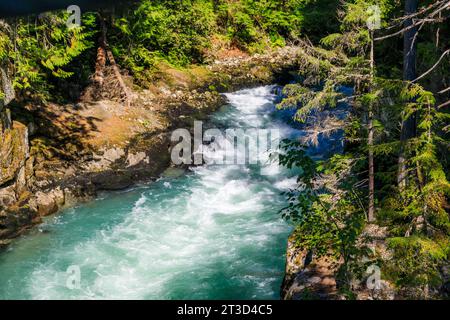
(14, 150)
(15, 175)
(16, 168)
(307, 277)
(310, 277)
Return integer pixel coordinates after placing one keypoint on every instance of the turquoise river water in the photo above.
(213, 232)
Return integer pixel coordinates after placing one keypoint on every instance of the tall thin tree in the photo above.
(408, 128)
(371, 211)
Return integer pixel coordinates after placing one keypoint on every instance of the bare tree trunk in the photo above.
(371, 212)
(104, 54)
(408, 128)
(100, 63)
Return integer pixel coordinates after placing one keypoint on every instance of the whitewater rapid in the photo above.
(212, 233)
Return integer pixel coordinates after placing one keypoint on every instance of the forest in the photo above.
(382, 201)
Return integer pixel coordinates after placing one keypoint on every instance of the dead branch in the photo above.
(418, 22)
(443, 104)
(444, 90)
(416, 14)
(433, 67)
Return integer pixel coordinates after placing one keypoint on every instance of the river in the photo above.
(211, 232)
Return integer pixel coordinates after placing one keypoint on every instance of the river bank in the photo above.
(55, 156)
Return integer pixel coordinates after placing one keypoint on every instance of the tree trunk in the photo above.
(100, 63)
(104, 54)
(408, 128)
(371, 212)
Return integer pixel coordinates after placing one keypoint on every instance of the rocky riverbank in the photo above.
(54, 156)
(308, 276)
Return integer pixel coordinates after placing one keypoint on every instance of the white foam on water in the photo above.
(286, 184)
(192, 239)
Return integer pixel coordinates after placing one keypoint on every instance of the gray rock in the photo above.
(112, 180)
(46, 204)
